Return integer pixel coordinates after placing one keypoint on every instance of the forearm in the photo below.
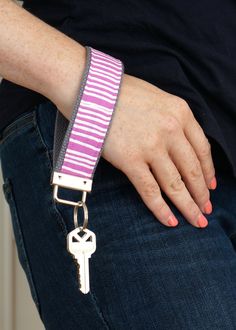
(35, 55)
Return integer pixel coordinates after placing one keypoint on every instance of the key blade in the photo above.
(86, 282)
(83, 261)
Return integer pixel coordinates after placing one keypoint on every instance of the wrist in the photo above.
(63, 90)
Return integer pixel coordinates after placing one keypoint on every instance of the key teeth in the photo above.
(78, 276)
(77, 271)
(84, 291)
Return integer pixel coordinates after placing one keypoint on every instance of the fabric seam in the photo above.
(11, 199)
(99, 311)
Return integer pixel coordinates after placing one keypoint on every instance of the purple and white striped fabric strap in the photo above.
(78, 143)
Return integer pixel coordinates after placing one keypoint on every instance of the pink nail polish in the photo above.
(172, 221)
(208, 207)
(213, 183)
(202, 221)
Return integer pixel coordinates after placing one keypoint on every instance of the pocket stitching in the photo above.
(19, 118)
(14, 133)
(8, 193)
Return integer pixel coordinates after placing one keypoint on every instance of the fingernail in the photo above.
(172, 221)
(213, 183)
(202, 221)
(208, 207)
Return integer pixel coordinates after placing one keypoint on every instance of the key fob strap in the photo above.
(78, 143)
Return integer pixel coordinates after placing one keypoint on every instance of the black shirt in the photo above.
(185, 47)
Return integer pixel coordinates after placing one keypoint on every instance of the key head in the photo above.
(81, 241)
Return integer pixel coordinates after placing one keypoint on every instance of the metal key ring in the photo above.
(85, 209)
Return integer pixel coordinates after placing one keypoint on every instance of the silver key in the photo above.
(82, 247)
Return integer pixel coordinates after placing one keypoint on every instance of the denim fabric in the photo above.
(143, 274)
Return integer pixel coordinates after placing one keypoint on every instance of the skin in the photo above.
(154, 137)
(161, 147)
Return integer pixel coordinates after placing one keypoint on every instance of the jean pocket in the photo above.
(16, 126)
(19, 238)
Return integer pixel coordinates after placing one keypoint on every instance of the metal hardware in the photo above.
(71, 181)
(85, 222)
(64, 201)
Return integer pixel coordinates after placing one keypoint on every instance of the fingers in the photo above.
(188, 165)
(195, 135)
(170, 181)
(146, 185)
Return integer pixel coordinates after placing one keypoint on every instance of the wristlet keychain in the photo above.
(78, 146)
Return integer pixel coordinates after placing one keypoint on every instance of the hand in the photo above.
(156, 141)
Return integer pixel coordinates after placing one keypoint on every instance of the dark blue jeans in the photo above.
(143, 274)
